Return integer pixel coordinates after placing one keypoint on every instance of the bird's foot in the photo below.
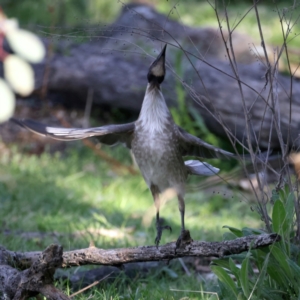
(159, 230)
(184, 238)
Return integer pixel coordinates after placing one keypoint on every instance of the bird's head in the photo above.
(157, 70)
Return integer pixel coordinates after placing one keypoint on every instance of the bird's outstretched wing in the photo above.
(109, 135)
(193, 146)
(196, 167)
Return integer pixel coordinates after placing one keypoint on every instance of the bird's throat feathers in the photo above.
(154, 115)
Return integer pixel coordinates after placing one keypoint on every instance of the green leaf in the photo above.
(259, 284)
(199, 120)
(245, 276)
(224, 263)
(247, 231)
(272, 294)
(278, 216)
(225, 278)
(235, 231)
(240, 256)
(284, 192)
(275, 196)
(225, 292)
(228, 236)
(281, 258)
(290, 210)
(259, 256)
(277, 275)
(295, 268)
(234, 269)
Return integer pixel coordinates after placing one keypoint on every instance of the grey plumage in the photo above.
(157, 143)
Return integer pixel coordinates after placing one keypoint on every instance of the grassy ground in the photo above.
(72, 191)
(66, 197)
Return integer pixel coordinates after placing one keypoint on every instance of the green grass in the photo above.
(157, 285)
(76, 191)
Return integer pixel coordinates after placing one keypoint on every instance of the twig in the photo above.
(231, 56)
(188, 273)
(89, 286)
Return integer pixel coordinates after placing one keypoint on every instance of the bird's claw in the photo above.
(184, 237)
(159, 230)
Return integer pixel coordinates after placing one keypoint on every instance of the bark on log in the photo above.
(39, 267)
(38, 278)
(114, 65)
(113, 257)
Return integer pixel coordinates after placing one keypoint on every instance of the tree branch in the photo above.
(39, 267)
(96, 256)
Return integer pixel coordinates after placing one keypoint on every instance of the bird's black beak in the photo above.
(161, 55)
(157, 70)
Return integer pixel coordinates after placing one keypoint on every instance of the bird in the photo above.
(158, 145)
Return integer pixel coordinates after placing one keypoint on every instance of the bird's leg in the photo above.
(184, 235)
(159, 227)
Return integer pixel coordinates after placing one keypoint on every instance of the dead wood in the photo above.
(38, 278)
(39, 267)
(113, 257)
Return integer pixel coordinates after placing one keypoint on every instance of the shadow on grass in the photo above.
(74, 198)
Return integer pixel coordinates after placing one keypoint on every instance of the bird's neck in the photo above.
(154, 115)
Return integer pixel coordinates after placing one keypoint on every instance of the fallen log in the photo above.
(37, 268)
(37, 279)
(112, 61)
(112, 257)
(114, 65)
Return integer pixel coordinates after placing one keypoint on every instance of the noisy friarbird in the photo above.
(157, 143)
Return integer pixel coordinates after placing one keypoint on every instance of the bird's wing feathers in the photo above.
(110, 134)
(193, 146)
(196, 167)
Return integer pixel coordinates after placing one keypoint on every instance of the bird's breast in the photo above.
(159, 158)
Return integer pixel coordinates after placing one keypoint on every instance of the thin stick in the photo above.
(89, 286)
